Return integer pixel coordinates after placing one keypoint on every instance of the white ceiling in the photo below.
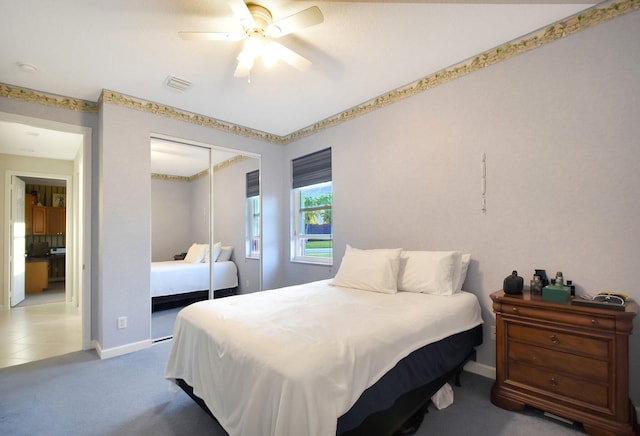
(362, 49)
(24, 139)
(186, 160)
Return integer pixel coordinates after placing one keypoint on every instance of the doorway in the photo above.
(31, 151)
(45, 243)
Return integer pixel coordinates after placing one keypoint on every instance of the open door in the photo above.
(17, 223)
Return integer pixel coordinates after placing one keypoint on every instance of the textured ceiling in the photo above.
(362, 49)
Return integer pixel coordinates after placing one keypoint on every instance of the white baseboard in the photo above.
(481, 369)
(123, 349)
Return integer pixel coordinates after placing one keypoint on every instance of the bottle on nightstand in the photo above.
(535, 286)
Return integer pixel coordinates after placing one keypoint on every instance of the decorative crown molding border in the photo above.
(168, 177)
(227, 163)
(597, 14)
(45, 99)
(600, 13)
(168, 111)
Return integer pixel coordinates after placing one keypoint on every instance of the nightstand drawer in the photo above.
(592, 393)
(593, 370)
(581, 320)
(590, 346)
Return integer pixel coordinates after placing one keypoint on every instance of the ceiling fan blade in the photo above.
(211, 36)
(242, 12)
(305, 18)
(291, 57)
(242, 70)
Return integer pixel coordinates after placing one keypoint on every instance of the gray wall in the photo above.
(199, 196)
(171, 211)
(559, 126)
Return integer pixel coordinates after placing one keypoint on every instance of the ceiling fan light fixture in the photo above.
(245, 61)
(253, 46)
(270, 55)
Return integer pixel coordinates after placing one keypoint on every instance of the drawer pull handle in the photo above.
(554, 339)
(553, 381)
(515, 309)
(594, 321)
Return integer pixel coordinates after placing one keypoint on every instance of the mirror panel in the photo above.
(180, 198)
(199, 195)
(234, 218)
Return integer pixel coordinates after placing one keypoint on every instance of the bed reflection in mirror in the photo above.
(205, 227)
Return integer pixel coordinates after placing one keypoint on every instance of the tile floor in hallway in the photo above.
(38, 332)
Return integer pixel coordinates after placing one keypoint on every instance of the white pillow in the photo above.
(385, 251)
(369, 270)
(216, 252)
(429, 272)
(196, 253)
(225, 253)
(461, 274)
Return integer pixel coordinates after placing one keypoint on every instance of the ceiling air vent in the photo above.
(178, 83)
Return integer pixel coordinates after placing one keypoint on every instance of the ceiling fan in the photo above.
(258, 31)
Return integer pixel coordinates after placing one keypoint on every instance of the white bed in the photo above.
(291, 361)
(179, 277)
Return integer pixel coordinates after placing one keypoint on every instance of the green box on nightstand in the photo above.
(559, 294)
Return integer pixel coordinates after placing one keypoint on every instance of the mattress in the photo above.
(179, 277)
(291, 361)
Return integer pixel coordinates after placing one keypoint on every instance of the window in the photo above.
(253, 215)
(312, 200)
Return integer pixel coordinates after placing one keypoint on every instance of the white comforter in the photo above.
(290, 361)
(179, 277)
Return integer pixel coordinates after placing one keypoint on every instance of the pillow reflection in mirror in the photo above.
(225, 253)
(196, 253)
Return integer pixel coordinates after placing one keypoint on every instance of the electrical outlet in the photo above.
(493, 332)
(248, 283)
(122, 322)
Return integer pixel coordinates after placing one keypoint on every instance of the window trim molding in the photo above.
(295, 230)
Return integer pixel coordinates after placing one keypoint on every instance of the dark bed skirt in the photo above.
(180, 300)
(402, 395)
(397, 402)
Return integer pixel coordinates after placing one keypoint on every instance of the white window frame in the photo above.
(252, 239)
(298, 238)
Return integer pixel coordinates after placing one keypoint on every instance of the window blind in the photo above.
(253, 183)
(312, 168)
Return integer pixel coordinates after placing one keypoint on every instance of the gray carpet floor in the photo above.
(78, 394)
(162, 323)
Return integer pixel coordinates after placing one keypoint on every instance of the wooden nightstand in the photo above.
(572, 361)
